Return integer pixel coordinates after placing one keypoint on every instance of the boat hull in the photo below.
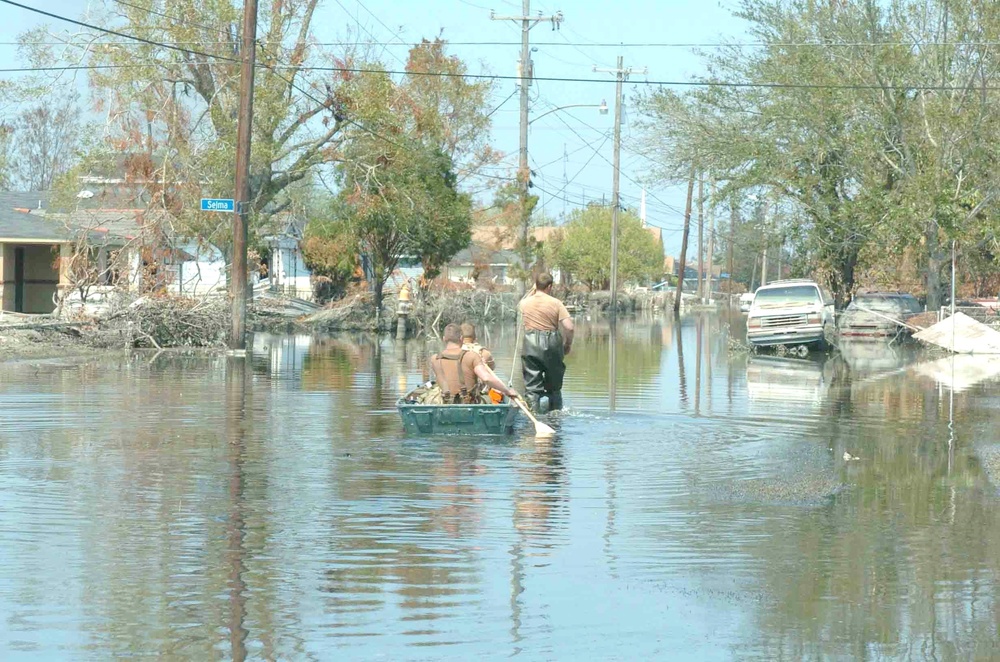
(490, 419)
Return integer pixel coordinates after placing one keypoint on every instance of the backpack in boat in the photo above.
(430, 394)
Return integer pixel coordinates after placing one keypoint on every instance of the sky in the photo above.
(563, 183)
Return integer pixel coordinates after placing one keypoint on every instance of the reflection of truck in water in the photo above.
(778, 379)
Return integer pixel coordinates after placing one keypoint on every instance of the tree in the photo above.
(172, 113)
(46, 138)
(585, 248)
(6, 149)
(406, 203)
(401, 163)
(865, 141)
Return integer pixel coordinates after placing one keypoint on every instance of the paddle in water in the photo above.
(542, 431)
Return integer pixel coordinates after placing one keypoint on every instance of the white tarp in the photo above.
(963, 335)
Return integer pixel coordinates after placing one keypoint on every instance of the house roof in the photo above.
(477, 254)
(18, 224)
(20, 218)
(505, 238)
(285, 224)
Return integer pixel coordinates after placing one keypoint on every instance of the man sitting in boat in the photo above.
(461, 374)
(470, 344)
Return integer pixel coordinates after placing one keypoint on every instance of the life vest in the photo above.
(463, 395)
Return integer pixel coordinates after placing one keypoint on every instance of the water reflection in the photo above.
(696, 500)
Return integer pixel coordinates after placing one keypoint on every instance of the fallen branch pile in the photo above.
(162, 321)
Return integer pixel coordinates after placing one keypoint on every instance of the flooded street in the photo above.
(185, 506)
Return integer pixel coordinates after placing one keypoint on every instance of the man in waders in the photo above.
(548, 338)
(460, 372)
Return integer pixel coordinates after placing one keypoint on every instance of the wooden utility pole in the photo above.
(238, 275)
(684, 244)
(701, 237)
(615, 203)
(525, 74)
(711, 242)
(621, 74)
(767, 239)
(732, 239)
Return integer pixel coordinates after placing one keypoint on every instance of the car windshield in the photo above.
(789, 295)
(878, 304)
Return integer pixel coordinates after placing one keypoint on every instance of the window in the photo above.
(792, 295)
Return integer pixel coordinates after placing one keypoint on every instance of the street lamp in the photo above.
(602, 108)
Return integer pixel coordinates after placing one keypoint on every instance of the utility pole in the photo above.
(711, 241)
(621, 74)
(525, 74)
(767, 239)
(684, 245)
(238, 274)
(732, 238)
(701, 238)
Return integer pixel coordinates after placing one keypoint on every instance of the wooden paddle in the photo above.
(542, 431)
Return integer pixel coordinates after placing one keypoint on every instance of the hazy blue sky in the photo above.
(587, 22)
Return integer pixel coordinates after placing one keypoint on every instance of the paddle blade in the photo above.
(543, 431)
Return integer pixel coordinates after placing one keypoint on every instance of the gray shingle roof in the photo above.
(21, 225)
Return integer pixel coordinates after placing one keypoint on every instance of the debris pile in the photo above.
(161, 321)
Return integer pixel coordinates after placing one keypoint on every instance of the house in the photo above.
(286, 269)
(478, 263)
(31, 271)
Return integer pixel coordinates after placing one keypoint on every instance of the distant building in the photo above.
(286, 270)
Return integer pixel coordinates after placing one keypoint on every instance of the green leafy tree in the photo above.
(862, 140)
(405, 204)
(584, 250)
(402, 162)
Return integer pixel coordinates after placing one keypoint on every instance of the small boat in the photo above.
(490, 419)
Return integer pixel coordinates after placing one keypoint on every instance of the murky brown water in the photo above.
(179, 506)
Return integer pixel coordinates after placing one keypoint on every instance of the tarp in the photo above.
(963, 335)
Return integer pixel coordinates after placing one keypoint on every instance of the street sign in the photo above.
(218, 204)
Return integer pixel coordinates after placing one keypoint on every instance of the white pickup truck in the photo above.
(796, 313)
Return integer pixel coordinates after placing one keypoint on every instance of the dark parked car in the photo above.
(877, 314)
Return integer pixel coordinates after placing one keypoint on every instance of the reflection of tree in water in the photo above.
(639, 347)
(410, 517)
(541, 510)
(540, 503)
(906, 557)
(168, 514)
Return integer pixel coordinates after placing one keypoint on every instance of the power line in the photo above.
(358, 70)
(761, 44)
(117, 34)
(577, 134)
(176, 19)
(366, 30)
(556, 79)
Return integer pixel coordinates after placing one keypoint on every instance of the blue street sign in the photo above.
(218, 204)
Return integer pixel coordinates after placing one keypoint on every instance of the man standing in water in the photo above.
(548, 338)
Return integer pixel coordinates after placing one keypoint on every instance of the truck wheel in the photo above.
(802, 351)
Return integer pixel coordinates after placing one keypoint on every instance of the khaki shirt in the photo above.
(542, 312)
(445, 368)
(483, 352)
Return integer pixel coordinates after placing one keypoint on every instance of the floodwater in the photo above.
(196, 507)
